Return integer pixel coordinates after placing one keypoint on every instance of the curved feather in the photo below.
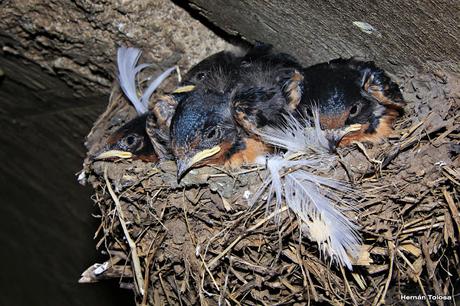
(128, 70)
(154, 85)
(316, 200)
(297, 135)
(127, 59)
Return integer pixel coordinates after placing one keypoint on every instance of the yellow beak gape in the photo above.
(204, 154)
(114, 153)
(183, 89)
(353, 128)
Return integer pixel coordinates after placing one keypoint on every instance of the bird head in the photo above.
(345, 106)
(353, 93)
(197, 114)
(130, 141)
(232, 97)
(202, 130)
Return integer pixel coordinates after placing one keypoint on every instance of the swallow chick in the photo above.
(217, 122)
(222, 63)
(140, 138)
(202, 129)
(270, 86)
(190, 92)
(129, 142)
(352, 92)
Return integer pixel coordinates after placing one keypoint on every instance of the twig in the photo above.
(391, 248)
(453, 208)
(131, 243)
(258, 224)
(415, 274)
(347, 285)
(160, 276)
(147, 271)
(420, 228)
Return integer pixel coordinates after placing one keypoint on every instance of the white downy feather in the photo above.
(316, 200)
(298, 136)
(128, 70)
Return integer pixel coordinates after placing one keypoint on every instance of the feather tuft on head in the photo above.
(128, 70)
(314, 199)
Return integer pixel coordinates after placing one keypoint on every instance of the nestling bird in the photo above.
(129, 141)
(346, 92)
(217, 113)
(352, 92)
(216, 122)
(224, 63)
(219, 122)
(146, 137)
(132, 140)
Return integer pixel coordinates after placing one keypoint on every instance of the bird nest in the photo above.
(204, 241)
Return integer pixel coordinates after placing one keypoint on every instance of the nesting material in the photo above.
(212, 239)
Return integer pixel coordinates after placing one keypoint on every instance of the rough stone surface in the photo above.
(416, 33)
(77, 40)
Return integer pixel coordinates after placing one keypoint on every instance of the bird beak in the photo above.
(334, 137)
(353, 128)
(113, 154)
(185, 164)
(183, 89)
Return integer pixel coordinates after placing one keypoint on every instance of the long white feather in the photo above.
(316, 200)
(154, 85)
(298, 135)
(128, 70)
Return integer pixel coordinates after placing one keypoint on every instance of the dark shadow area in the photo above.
(47, 225)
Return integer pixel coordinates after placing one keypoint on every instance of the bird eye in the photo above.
(355, 110)
(245, 64)
(214, 133)
(200, 75)
(130, 140)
